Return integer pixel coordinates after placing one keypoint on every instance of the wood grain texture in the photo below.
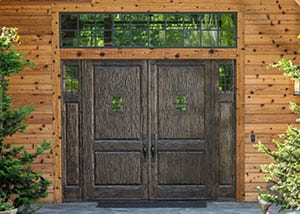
(270, 34)
(123, 82)
(118, 172)
(267, 32)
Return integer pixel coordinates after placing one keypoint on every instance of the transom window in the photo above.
(148, 30)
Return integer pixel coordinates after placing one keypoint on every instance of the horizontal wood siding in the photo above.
(271, 29)
(267, 32)
(34, 86)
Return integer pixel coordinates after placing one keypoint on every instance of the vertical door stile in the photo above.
(152, 125)
(145, 127)
(87, 130)
(214, 136)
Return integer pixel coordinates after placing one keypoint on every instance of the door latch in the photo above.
(145, 148)
(152, 147)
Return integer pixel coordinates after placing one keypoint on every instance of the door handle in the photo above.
(145, 148)
(152, 147)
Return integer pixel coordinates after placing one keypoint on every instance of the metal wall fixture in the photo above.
(297, 85)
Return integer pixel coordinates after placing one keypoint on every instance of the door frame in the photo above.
(86, 64)
(237, 54)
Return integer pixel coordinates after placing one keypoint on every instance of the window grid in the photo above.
(226, 78)
(71, 78)
(149, 30)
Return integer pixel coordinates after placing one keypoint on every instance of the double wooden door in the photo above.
(149, 130)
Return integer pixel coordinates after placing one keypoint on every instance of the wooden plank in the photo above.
(37, 49)
(265, 108)
(252, 187)
(270, 118)
(267, 79)
(252, 149)
(147, 6)
(39, 129)
(272, 48)
(57, 120)
(27, 20)
(31, 99)
(146, 53)
(253, 167)
(259, 137)
(270, 30)
(268, 99)
(44, 158)
(43, 168)
(272, 19)
(31, 79)
(255, 178)
(36, 40)
(39, 119)
(30, 89)
(272, 9)
(240, 111)
(251, 196)
(264, 89)
(269, 2)
(20, 138)
(278, 39)
(33, 30)
(42, 103)
(266, 128)
(261, 69)
(34, 2)
(41, 68)
(268, 59)
(256, 157)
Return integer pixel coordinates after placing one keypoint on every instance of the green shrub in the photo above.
(16, 176)
(284, 172)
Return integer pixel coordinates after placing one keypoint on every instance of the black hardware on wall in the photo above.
(252, 137)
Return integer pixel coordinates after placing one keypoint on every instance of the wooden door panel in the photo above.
(71, 147)
(116, 112)
(181, 168)
(185, 82)
(118, 168)
(225, 102)
(178, 123)
(226, 145)
(120, 120)
(72, 144)
(72, 177)
(184, 192)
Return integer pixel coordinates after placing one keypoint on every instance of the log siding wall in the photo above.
(267, 32)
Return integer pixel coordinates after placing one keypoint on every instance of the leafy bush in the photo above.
(284, 172)
(16, 176)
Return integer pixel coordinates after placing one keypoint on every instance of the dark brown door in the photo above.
(149, 130)
(179, 129)
(115, 121)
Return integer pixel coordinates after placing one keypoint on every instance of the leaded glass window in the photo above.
(148, 30)
(70, 78)
(226, 78)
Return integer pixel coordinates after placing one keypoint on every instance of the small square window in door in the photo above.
(71, 77)
(180, 103)
(116, 103)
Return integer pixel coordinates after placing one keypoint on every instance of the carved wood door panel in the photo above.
(149, 130)
(179, 129)
(115, 113)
